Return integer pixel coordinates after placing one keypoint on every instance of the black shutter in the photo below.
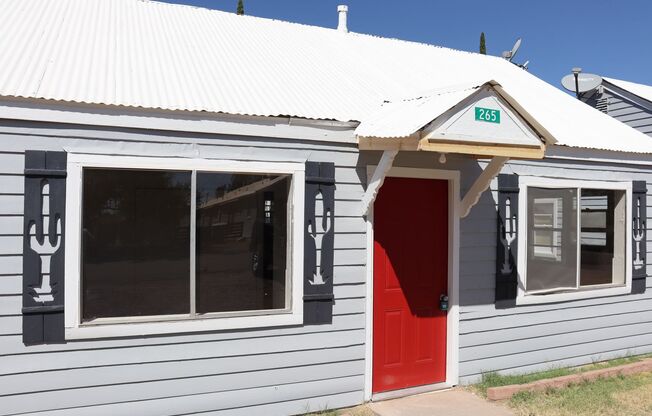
(507, 240)
(43, 247)
(318, 278)
(639, 246)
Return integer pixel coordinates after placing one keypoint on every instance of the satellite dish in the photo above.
(585, 82)
(509, 55)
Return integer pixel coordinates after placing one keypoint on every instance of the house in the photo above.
(219, 214)
(626, 101)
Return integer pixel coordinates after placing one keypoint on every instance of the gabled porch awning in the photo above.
(481, 120)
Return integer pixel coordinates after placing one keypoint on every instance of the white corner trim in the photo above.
(74, 329)
(481, 184)
(453, 317)
(377, 179)
(186, 121)
(523, 298)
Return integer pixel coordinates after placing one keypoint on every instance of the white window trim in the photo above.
(523, 298)
(171, 324)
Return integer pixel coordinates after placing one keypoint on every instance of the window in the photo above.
(576, 238)
(167, 242)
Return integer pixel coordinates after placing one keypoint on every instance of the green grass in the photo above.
(631, 396)
(496, 380)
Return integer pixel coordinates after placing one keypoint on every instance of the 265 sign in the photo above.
(487, 114)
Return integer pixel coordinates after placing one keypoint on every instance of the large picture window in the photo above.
(160, 244)
(576, 237)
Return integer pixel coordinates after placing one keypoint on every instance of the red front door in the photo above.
(410, 274)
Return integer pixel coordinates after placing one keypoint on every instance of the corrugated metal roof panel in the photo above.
(403, 118)
(155, 55)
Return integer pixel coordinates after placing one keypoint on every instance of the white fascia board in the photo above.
(598, 156)
(185, 121)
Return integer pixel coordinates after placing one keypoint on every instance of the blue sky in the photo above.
(611, 38)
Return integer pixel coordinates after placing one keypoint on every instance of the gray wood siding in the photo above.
(289, 370)
(273, 371)
(538, 337)
(631, 110)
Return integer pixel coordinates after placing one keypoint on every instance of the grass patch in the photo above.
(496, 380)
(631, 395)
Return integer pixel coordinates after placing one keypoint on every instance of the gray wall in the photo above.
(539, 337)
(254, 372)
(623, 106)
(289, 370)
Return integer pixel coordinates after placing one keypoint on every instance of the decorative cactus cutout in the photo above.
(318, 236)
(638, 233)
(45, 250)
(507, 236)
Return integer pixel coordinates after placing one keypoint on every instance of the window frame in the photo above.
(168, 324)
(525, 298)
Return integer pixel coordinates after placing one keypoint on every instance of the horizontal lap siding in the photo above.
(538, 337)
(268, 371)
(630, 113)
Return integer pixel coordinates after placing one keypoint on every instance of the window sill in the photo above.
(132, 329)
(523, 299)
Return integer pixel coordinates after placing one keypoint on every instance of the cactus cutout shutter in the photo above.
(507, 240)
(43, 247)
(319, 243)
(639, 245)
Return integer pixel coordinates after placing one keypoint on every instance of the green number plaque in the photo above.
(487, 114)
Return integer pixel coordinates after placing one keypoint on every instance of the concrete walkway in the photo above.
(454, 402)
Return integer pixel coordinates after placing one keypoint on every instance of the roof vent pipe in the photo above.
(342, 10)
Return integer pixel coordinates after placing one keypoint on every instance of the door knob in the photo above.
(443, 302)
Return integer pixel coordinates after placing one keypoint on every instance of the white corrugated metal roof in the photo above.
(641, 90)
(156, 55)
(404, 117)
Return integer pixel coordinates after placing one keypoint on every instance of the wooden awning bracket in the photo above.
(377, 179)
(481, 184)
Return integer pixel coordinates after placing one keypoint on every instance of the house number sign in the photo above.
(487, 114)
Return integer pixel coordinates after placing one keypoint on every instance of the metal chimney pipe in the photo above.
(342, 10)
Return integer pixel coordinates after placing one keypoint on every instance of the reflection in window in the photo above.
(138, 235)
(241, 241)
(135, 243)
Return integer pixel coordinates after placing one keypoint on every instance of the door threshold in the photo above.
(410, 391)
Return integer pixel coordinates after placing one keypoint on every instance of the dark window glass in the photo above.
(135, 243)
(603, 237)
(241, 241)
